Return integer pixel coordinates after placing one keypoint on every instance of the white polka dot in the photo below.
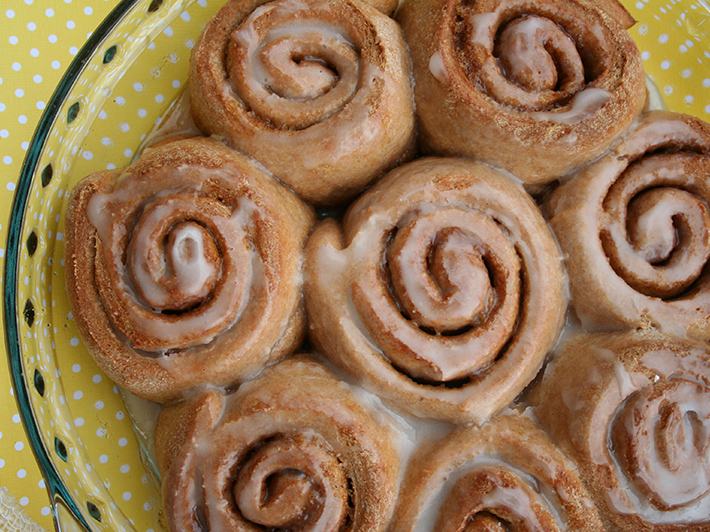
(49, 12)
(56, 64)
(52, 38)
(79, 422)
(176, 84)
(142, 113)
(159, 98)
(125, 468)
(22, 119)
(13, 39)
(137, 86)
(74, 342)
(45, 511)
(663, 38)
(106, 141)
(10, 13)
(73, 50)
(24, 501)
(31, 26)
(10, 186)
(19, 446)
(37, 78)
(185, 16)
(41, 105)
(7, 159)
(98, 405)
(689, 99)
(71, 24)
(21, 473)
(168, 31)
(19, 93)
(34, 52)
(16, 418)
(78, 394)
(96, 379)
(16, 66)
(76, 368)
(88, 10)
(122, 442)
(127, 496)
(128, 153)
(2, 107)
(707, 109)
(124, 127)
(101, 433)
(103, 458)
(2, 463)
(665, 65)
(87, 155)
(4, 133)
(147, 506)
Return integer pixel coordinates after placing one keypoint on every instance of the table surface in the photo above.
(41, 38)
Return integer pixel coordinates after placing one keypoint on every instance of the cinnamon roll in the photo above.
(185, 268)
(442, 290)
(504, 475)
(290, 450)
(317, 91)
(635, 229)
(633, 410)
(538, 88)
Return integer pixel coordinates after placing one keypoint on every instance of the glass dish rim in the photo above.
(54, 484)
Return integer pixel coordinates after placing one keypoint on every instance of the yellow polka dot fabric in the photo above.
(127, 85)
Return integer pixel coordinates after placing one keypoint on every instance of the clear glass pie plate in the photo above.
(121, 83)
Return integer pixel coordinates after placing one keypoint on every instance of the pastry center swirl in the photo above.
(657, 229)
(294, 484)
(661, 437)
(531, 59)
(448, 300)
(292, 65)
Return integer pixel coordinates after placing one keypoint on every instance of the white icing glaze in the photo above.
(483, 26)
(582, 107)
(437, 67)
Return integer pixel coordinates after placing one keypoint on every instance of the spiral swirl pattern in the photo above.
(428, 291)
(318, 92)
(639, 238)
(505, 475)
(292, 450)
(661, 439)
(187, 264)
(636, 419)
(548, 86)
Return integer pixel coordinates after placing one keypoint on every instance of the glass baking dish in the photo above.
(97, 468)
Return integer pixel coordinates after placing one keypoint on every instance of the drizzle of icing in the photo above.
(582, 107)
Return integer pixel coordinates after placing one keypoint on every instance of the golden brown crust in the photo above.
(503, 475)
(536, 114)
(185, 268)
(325, 123)
(633, 411)
(443, 290)
(291, 449)
(634, 227)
